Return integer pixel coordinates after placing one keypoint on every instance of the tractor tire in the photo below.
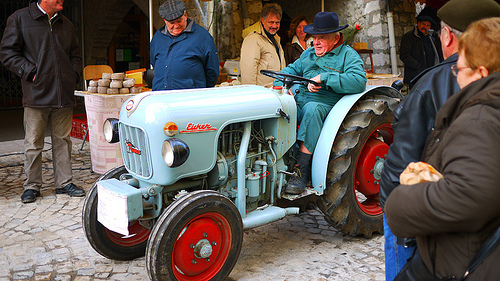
(350, 202)
(197, 237)
(106, 242)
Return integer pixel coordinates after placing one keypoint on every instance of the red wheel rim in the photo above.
(138, 234)
(210, 232)
(368, 169)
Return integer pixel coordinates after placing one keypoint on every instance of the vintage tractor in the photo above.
(203, 165)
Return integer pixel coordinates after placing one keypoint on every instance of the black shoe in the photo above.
(297, 183)
(72, 190)
(30, 195)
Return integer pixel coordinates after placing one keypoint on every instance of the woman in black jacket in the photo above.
(300, 40)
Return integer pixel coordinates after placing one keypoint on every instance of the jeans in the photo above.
(396, 255)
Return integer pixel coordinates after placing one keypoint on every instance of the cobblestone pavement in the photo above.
(45, 241)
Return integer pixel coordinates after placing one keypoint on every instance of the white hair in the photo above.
(457, 33)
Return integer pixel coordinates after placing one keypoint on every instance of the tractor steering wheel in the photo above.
(288, 79)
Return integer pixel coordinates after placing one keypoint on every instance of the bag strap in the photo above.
(488, 245)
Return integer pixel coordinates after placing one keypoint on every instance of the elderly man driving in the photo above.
(340, 71)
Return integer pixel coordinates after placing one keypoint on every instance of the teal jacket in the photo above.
(342, 73)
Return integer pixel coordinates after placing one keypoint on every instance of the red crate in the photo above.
(79, 126)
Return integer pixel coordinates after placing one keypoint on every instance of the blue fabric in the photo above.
(311, 117)
(396, 255)
(187, 61)
(342, 73)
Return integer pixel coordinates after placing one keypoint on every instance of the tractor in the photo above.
(203, 165)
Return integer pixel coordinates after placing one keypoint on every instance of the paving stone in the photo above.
(44, 269)
(62, 277)
(85, 272)
(22, 275)
(44, 277)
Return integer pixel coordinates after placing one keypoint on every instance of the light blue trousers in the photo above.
(310, 117)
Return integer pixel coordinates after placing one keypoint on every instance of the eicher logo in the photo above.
(131, 148)
(130, 105)
(195, 128)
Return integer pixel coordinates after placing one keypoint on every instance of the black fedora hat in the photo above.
(324, 22)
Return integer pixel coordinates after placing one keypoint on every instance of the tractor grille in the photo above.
(135, 150)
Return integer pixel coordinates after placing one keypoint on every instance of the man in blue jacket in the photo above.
(340, 71)
(183, 54)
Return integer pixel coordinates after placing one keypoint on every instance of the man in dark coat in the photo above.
(419, 50)
(40, 46)
(415, 115)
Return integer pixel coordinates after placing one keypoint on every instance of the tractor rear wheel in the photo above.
(351, 200)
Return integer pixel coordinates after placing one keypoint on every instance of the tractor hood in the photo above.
(204, 105)
(200, 115)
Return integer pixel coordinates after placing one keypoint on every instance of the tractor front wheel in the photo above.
(197, 237)
(106, 242)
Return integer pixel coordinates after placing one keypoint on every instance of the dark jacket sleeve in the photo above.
(291, 53)
(414, 118)
(406, 52)
(466, 199)
(74, 56)
(12, 55)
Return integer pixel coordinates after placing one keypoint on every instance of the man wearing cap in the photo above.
(262, 49)
(418, 49)
(40, 45)
(415, 115)
(183, 54)
(340, 71)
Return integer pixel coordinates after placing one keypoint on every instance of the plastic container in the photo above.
(79, 127)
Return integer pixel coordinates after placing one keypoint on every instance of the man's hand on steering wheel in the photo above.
(289, 79)
(313, 88)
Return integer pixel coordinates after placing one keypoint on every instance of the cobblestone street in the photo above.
(45, 241)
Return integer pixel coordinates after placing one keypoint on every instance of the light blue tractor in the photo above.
(203, 165)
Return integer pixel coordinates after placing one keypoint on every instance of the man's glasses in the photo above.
(455, 69)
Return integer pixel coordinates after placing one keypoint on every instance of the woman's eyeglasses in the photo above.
(455, 69)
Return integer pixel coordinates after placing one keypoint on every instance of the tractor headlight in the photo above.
(110, 130)
(175, 152)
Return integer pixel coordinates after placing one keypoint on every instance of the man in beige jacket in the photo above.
(262, 49)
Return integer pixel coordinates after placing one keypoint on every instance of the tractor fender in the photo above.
(331, 126)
